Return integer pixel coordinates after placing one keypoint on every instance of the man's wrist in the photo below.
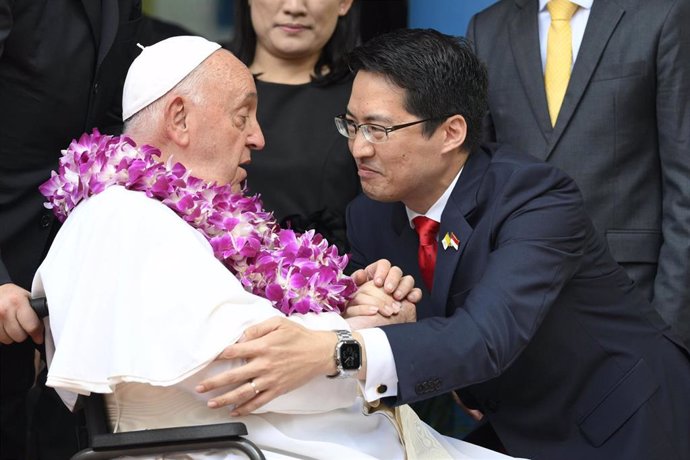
(330, 341)
(362, 374)
(347, 355)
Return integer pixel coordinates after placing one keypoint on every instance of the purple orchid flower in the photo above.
(297, 273)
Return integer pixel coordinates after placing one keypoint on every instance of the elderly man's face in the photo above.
(224, 126)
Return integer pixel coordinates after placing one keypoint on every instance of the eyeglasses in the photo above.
(372, 132)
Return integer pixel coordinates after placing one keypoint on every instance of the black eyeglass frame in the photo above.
(386, 129)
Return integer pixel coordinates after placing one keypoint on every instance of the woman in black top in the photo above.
(305, 174)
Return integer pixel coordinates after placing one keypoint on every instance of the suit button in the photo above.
(95, 88)
(46, 220)
(381, 389)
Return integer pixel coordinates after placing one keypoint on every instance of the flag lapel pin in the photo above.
(450, 240)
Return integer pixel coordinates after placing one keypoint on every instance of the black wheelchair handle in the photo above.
(40, 306)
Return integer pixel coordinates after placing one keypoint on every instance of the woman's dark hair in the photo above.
(345, 37)
(440, 74)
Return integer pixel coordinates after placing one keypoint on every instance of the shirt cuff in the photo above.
(382, 377)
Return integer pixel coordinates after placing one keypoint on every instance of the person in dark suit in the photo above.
(62, 65)
(525, 312)
(621, 131)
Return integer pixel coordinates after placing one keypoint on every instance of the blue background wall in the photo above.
(448, 16)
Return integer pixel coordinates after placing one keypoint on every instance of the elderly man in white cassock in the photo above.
(155, 272)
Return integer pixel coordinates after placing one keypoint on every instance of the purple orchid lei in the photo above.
(298, 273)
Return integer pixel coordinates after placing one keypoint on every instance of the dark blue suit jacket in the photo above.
(533, 319)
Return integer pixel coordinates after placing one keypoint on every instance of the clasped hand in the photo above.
(384, 296)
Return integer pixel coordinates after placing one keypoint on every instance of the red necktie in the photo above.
(426, 229)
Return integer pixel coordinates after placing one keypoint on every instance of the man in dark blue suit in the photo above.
(525, 312)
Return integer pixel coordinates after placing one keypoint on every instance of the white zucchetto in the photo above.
(160, 67)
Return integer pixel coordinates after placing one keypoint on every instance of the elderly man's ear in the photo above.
(176, 123)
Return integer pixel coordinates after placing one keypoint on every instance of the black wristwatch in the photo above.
(348, 355)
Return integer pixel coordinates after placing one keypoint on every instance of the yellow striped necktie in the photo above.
(559, 54)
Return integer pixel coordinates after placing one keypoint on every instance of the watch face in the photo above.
(350, 357)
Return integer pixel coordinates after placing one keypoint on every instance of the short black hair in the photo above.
(345, 37)
(440, 74)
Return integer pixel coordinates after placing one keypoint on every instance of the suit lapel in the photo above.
(602, 21)
(462, 201)
(93, 12)
(110, 23)
(524, 42)
(447, 260)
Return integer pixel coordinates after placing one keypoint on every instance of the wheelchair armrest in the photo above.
(156, 441)
(181, 439)
(161, 436)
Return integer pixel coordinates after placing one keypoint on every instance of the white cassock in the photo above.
(139, 309)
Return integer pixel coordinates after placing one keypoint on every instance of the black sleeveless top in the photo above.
(305, 174)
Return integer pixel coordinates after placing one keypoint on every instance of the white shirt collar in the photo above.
(436, 210)
(587, 4)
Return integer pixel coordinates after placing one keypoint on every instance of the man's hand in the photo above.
(476, 414)
(281, 356)
(392, 281)
(17, 319)
(372, 306)
(370, 300)
(407, 314)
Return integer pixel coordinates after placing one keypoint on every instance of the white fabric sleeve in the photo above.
(382, 378)
(136, 295)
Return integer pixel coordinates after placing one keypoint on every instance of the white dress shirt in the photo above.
(577, 24)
